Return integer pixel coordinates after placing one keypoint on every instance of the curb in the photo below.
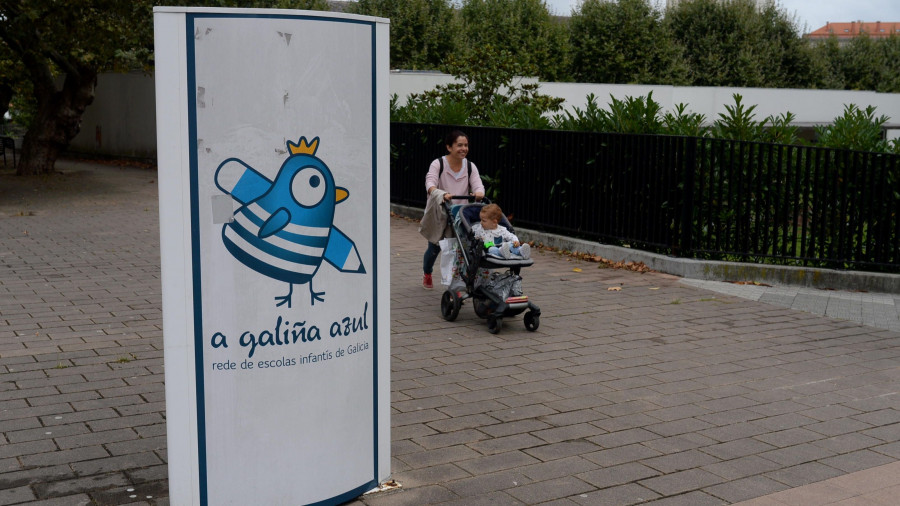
(711, 270)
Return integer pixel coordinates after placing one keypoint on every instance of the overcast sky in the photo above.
(811, 13)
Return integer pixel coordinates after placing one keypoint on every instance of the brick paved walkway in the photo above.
(658, 392)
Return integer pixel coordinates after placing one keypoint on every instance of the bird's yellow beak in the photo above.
(340, 195)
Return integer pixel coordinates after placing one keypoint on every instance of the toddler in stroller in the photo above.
(477, 228)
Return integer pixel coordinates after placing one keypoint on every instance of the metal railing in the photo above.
(684, 196)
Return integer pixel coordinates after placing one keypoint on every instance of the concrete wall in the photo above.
(812, 107)
(121, 121)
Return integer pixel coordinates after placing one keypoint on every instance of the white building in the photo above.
(759, 3)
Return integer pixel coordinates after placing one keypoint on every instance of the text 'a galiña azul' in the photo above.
(287, 333)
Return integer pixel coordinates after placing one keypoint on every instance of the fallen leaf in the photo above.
(576, 269)
(655, 288)
(754, 283)
(614, 289)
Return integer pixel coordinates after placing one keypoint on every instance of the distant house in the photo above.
(845, 32)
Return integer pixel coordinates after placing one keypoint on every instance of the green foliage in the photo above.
(855, 129)
(624, 42)
(12, 86)
(525, 28)
(680, 122)
(735, 44)
(779, 129)
(634, 115)
(423, 32)
(55, 51)
(739, 123)
(889, 81)
(591, 119)
(487, 91)
(827, 62)
(863, 63)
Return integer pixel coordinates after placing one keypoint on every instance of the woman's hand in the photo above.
(447, 197)
(516, 244)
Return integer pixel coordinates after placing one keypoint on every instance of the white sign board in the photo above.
(273, 175)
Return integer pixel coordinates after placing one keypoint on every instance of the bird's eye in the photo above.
(308, 187)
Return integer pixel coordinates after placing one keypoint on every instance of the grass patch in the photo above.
(125, 360)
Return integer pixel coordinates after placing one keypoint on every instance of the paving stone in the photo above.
(486, 484)
(745, 489)
(804, 474)
(623, 495)
(681, 482)
(137, 445)
(838, 426)
(152, 493)
(550, 489)
(497, 462)
(440, 456)
(71, 500)
(159, 474)
(64, 456)
(622, 438)
(737, 448)
(618, 475)
(614, 390)
(46, 433)
(114, 464)
(680, 461)
(561, 450)
(491, 499)
(622, 454)
(507, 443)
(431, 494)
(95, 438)
(680, 443)
(515, 427)
(857, 461)
(79, 485)
(442, 473)
(568, 432)
(678, 427)
(26, 448)
(795, 436)
(16, 495)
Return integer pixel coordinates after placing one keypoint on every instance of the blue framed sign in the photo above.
(272, 132)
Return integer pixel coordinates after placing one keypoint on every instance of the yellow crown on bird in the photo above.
(304, 147)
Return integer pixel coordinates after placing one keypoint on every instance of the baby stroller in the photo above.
(494, 295)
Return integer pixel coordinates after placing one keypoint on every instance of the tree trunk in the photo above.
(56, 122)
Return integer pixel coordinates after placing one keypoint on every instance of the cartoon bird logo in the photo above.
(283, 229)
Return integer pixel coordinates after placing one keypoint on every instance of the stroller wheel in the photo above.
(494, 324)
(532, 321)
(450, 305)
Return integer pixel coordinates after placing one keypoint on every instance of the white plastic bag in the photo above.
(448, 259)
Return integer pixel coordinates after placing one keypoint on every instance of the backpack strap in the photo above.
(468, 169)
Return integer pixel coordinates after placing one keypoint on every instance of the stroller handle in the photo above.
(470, 198)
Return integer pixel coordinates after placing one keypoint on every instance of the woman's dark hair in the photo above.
(450, 139)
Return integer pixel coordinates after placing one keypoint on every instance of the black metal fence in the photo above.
(684, 196)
